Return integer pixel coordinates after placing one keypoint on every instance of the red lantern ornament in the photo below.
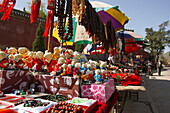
(51, 4)
(6, 8)
(35, 8)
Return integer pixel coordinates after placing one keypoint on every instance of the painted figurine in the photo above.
(69, 70)
(98, 77)
(49, 62)
(58, 69)
(56, 54)
(4, 62)
(39, 61)
(64, 67)
(18, 62)
(76, 70)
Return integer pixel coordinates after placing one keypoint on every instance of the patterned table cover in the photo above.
(100, 92)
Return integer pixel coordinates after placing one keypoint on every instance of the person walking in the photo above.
(150, 68)
(159, 67)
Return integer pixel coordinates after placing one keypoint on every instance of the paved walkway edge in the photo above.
(150, 98)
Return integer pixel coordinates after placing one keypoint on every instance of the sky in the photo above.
(143, 13)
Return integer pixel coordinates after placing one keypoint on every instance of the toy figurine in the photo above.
(76, 58)
(58, 69)
(18, 62)
(103, 73)
(4, 62)
(69, 70)
(103, 65)
(84, 67)
(88, 67)
(68, 60)
(76, 70)
(12, 51)
(84, 76)
(64, 67)
(98, 77)
(82, 59)
(49, 62)
(56, 54)
(91, 76)
(29, 61)
(23, 51)
(39, 61)
(71, 53)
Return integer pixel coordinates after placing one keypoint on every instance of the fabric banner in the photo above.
(81, 36)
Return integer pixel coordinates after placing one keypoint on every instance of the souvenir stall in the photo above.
(60, 79)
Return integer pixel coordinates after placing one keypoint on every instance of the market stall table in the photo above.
(14, 79)
(64, 85)
(101, 92)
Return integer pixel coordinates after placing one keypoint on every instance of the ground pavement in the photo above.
(156, 99)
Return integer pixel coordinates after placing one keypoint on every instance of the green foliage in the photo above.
(38, 44)
(79, 48)
(158, 39)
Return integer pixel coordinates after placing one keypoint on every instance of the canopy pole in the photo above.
(51, 30)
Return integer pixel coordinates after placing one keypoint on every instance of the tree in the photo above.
(38, 44)
(158, 40)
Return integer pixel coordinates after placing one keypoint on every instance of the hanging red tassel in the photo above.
(4, 6)
(7, 7)
(48, 23)
(35, 8)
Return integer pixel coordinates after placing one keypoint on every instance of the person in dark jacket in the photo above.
(159, 67)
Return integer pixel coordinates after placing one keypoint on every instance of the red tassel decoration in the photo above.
(7, 8)
(4, 6)
(35, 8)
(48, 23)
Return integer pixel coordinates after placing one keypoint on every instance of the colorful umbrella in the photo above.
(104, 16)
(118, 15)
(129, 36)
(118, 18)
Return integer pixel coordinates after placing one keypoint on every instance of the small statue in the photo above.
(29, 61)
(84, 67)
(103, 74)
(91, 76)
(71, 53)
(58, 70)
(76, 70)
(84, 76)
(69, 70)
(64, 67)
(4, 62)
(18, 62)
(49, 62)
(56, 54)
(82, 59)
(98, 77)
(68, 60)
(103, 65)
(39, 61)
(23, 51)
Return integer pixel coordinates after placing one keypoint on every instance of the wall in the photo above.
(18, 31)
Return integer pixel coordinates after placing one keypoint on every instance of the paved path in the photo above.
(159, 89)
(156, 99)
